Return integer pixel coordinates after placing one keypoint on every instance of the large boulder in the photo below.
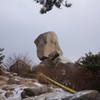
(46, 44)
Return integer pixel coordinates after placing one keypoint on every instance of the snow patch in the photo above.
(38, 84)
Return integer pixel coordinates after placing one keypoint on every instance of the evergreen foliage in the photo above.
(49, 4)
(91, 61)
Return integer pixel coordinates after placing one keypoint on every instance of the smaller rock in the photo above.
(29, 92)
(8, 94)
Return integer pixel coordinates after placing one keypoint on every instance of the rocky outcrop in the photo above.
(61, 69)
(48, 49)
(46, 44)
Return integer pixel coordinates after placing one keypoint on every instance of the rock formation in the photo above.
(46, 44)
(61, 69)
(48, 48)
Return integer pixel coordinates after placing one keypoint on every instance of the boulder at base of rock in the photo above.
(29, 92)
(46, 44)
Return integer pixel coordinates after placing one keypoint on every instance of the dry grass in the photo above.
(71, 75)
(21, 65)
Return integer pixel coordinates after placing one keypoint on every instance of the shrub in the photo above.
(91, 61)
(22, 65)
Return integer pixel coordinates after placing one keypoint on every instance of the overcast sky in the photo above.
(78, 28)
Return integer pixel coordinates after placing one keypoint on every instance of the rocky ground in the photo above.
(13, 87)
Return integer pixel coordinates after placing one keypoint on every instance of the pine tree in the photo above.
(91, 61)
(48, 5)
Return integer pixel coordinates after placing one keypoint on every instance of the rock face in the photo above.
(48, 49)
(47, 43)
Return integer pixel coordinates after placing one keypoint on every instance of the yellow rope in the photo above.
(58, 84)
